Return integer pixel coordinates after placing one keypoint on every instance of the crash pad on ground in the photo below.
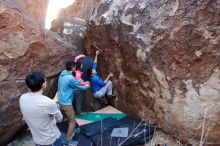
(101, 114)
(139, 132)
(97, 130)
(99, 126)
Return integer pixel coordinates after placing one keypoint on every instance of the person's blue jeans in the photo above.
(58, 142)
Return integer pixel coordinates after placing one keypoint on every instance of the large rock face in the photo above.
(165, 58)
(81, 9)
(25, 47)
(72, 30)
(36, 8)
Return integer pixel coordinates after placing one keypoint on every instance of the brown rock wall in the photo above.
(81, 9)
(25, 47)
(71, 29)
(36, 8)
(165, 58)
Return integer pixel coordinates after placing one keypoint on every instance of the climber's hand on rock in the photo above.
(97, 52)
(110, 75)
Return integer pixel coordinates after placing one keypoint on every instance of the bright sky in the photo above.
(53, 8)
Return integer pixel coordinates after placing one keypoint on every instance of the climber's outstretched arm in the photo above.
(96, 56)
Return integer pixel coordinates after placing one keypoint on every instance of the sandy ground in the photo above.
(161, 138)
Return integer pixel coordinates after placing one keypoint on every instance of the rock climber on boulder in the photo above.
(100, 87)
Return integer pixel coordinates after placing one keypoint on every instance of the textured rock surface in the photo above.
(25, 47)
(72, 30)
(165, 58)
(161, 138)
(81, 8)
(36, 8)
